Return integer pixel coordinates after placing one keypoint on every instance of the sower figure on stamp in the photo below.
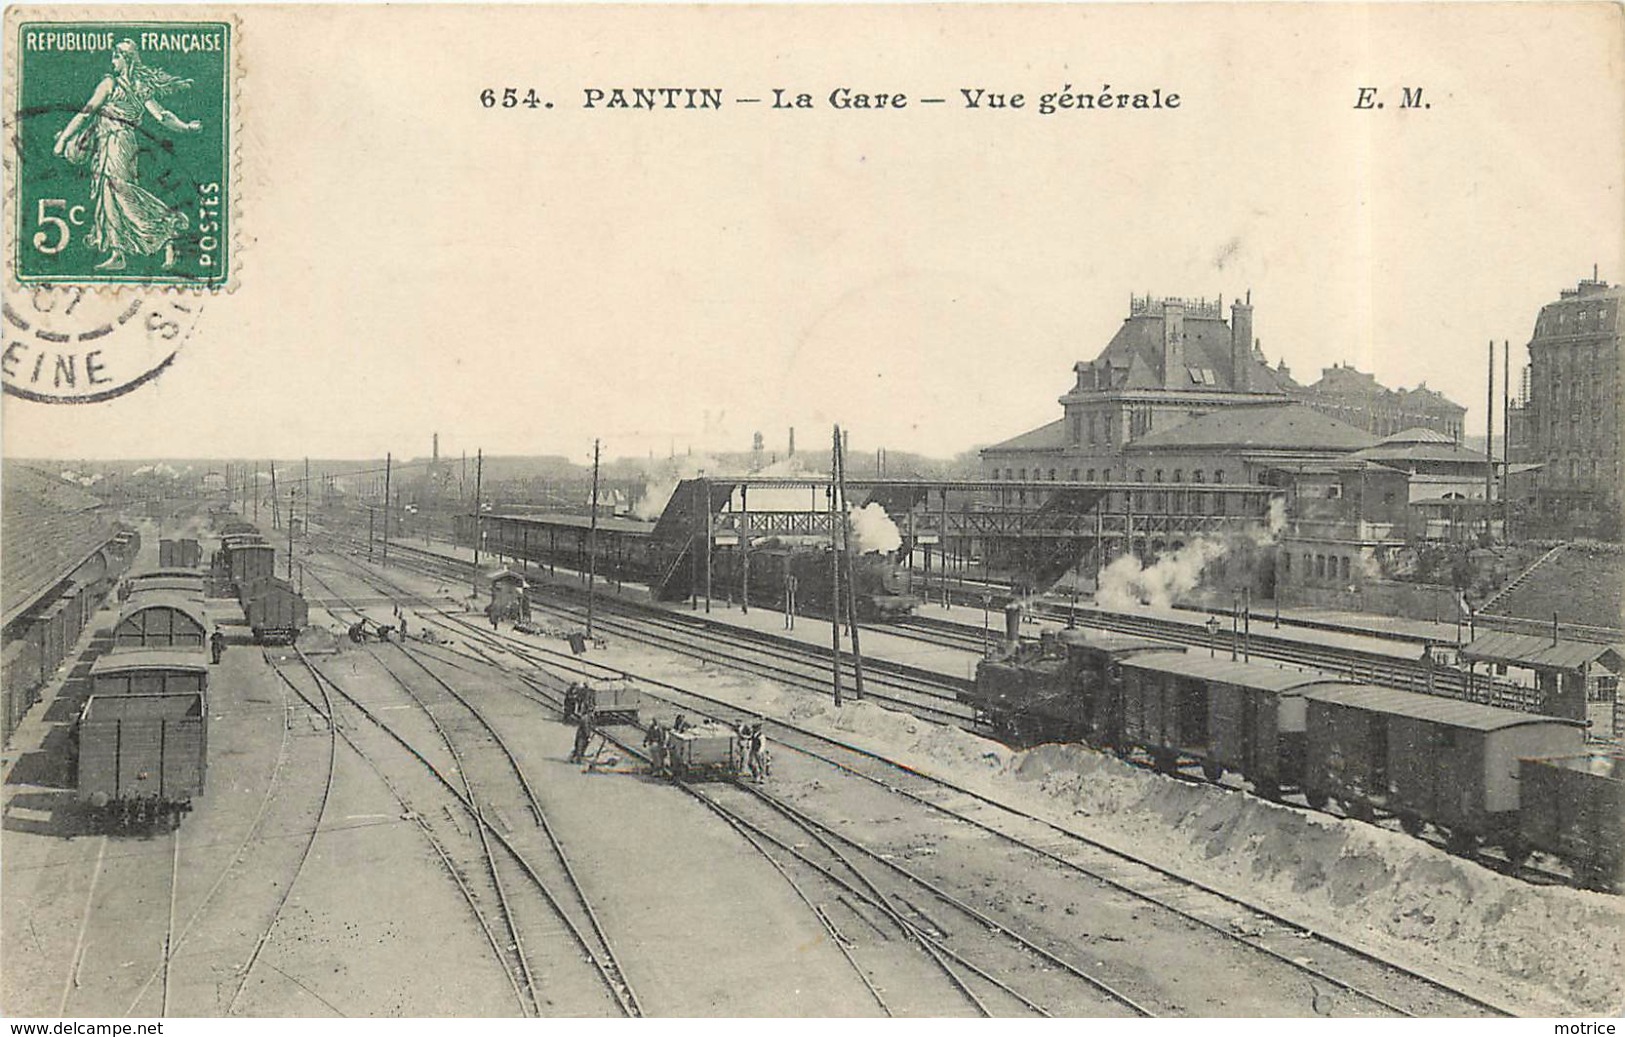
(128, 218)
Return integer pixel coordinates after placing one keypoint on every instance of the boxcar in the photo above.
(1226, 715)
(141, 758)
(169, 581)
(706, 751)
(150, 671)
(1426, 759)
(248, 561)
(275, 611)
(161, 619)
(1574, 807)
(180, 554)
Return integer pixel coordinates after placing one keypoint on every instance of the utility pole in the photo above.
(592, 541)
(307, 496)
(1506, 440)
(1489, 447)
(293, 494)
(256, 493)
(372, 513)
(835, 563)
(851, 577)
(276, 502)
(479, 514)
(389, 460)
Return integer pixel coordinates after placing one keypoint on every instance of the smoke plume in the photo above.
(873, 530)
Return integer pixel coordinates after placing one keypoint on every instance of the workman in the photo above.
(655, 740)
(217, 646)
(583, 737)
(358, 632)
(403, 629)
(758, 754)
(681, 723)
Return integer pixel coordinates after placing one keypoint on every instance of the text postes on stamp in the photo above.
(123, 147)
(71, 344)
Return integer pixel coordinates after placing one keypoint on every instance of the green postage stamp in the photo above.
(122, 148)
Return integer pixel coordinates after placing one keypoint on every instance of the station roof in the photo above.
(1431, 709)
(116, 660)
(51, 529)
(1229, 671)
(606, 524)
(1283, 426)
(1044, 437)
(1542, 653)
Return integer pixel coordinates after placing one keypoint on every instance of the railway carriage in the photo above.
(140, 759)
(150, 671)
(163, 581)
(162, 619)
(1426, 759)
(1573, 807)
(881, 589)
(276, 613)
(180, 554)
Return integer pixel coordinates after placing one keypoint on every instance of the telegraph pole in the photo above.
(307, 495)
(256, 493)
(592, 540)
(293, 495)
(1489, 447)
(389, 460)
(835, 562)
(276, 502)
(479, 512)
(1506, 441)
(851, 578)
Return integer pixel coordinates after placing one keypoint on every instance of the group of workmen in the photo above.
(358, 630)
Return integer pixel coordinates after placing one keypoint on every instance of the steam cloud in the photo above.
(1125, 584)
(873, 530)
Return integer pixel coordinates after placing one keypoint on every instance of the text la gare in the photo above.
(843, 97)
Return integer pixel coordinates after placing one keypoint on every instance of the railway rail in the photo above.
(1341, 966)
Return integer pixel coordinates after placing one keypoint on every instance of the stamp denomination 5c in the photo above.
(122, 165)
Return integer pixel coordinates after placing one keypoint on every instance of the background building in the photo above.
(1573, 414)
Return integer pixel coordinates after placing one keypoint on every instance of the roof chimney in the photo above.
(1174, 375)
(1241, 343)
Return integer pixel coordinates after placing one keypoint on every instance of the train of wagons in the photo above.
(883, 588)
(140, 742)
(1479, 775)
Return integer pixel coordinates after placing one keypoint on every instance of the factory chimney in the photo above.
(1241, 344)
(437, 448)
(792, 452)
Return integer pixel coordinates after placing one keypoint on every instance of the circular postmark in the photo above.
(71, 344)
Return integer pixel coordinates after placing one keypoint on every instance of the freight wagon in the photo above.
(161, 619)
(150, 671)
(180, 554)
(276, 612)
(1573, 807)
(141, 758)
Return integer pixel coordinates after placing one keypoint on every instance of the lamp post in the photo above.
(987, 602)
(1212, 634)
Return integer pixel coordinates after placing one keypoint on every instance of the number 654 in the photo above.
(75, 216)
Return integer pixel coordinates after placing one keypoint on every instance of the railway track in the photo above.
(486, 766)
(1353, 973)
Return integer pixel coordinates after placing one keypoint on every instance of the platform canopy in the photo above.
(1543, 653)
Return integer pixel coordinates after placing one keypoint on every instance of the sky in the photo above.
(525, 281)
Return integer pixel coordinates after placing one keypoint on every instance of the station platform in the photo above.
(876, 642)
